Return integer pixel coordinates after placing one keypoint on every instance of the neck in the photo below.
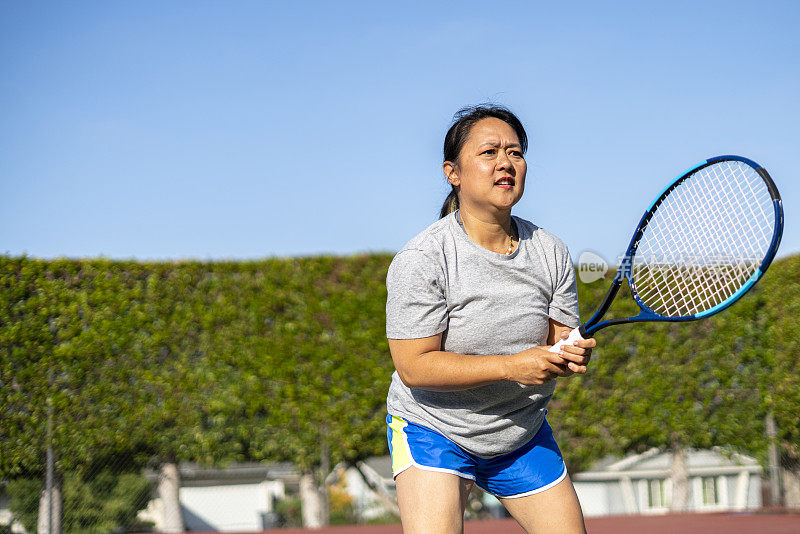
(492, 232)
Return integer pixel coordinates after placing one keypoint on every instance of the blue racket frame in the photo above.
(625, 269)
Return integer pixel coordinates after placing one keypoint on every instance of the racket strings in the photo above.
(705, 240)
(724, 221)
(664, 276)
(667, 288)
(706, 286)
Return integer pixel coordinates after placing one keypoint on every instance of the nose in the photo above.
(503, 162)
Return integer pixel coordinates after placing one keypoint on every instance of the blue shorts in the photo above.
(534, 467)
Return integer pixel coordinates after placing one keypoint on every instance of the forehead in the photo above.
(492, 130)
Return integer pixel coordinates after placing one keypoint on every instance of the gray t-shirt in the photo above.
(484, 303)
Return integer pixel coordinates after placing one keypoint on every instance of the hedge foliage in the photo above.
(264, 360)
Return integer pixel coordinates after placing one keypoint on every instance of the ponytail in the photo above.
(450, 204)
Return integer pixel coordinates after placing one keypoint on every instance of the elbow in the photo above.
(408, 378)
(414, 375)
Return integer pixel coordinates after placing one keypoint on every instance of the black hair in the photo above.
(463, 121)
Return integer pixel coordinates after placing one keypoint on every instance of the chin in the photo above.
(504, 207)
(510, 204)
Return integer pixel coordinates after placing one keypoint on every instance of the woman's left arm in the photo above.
(578, 354)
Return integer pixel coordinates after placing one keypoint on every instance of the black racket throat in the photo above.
(593, 325)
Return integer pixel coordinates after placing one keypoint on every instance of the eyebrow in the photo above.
(495, 144)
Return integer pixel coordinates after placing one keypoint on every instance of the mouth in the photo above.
(506, 182)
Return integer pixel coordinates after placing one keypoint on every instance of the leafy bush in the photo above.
(289, 512)
(340, 507)
(24, 502)
(106, 502)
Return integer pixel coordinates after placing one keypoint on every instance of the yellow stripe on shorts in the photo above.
(401, 455)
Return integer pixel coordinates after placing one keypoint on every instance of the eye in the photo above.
(516, 153)
(490, 151)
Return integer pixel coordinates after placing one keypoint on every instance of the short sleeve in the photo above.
(564, 304)
(415, 303)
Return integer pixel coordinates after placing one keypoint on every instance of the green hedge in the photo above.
(265, 360)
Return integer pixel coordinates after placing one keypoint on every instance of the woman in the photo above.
(474, 302)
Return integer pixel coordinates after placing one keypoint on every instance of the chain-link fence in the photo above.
(223, 396)
(116, 496)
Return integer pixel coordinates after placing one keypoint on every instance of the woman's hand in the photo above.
(537, 365)
(577, 356)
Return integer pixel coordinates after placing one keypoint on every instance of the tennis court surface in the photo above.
(756, 523)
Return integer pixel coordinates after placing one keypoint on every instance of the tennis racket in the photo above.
(706, 239)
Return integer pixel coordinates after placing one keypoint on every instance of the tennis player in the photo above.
(474, 302)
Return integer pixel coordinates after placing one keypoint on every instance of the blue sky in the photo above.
(214, 130)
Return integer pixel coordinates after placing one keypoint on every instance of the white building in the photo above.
(238, 498)
(640, 484)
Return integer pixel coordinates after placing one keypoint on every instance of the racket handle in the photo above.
(573, 336)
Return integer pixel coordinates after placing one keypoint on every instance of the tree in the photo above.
(779, 380)
(315, 367)
(272, 360)
(181, 394)
(674, 386)
(59, 337)
(286, 360)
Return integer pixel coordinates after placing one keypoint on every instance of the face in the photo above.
(490, 172)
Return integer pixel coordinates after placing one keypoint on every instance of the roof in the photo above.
(656, 463)
(193, 474)
(381, 465)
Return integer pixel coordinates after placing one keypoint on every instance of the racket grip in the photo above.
(573, 336)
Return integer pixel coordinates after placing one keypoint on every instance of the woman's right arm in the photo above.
(422, 364)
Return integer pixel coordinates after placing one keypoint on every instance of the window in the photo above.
(657, 494)
(654, 495)
(710, 491)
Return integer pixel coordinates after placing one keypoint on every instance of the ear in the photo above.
(450, 173)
